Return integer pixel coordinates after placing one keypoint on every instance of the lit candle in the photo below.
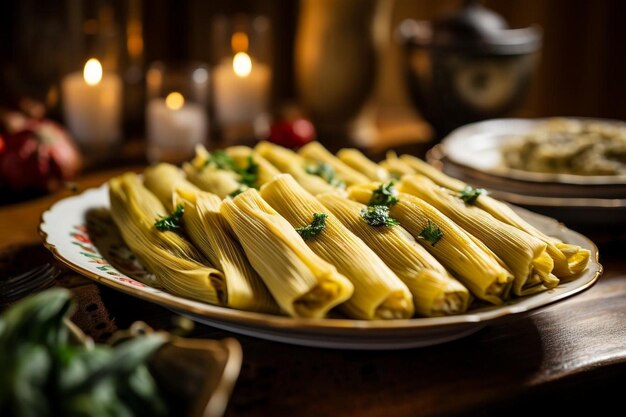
(92, 104)
(241, 88)
(174, 128)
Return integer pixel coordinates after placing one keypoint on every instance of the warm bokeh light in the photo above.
(174, 101)
(92, 72)
(239, 42)
(242, 64)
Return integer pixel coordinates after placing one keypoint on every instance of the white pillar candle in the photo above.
(241, 89)
(92, 102)
(174, 128)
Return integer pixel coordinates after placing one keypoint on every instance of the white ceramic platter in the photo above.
(79, 232)
(477, 146)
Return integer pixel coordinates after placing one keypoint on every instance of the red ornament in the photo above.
(38, 158)
(292, 133)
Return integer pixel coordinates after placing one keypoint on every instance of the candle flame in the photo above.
(174, 101)
(92, 72)
(242, 64)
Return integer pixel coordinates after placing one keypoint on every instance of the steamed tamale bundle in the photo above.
(244, 156)
(378, 292)
(302, 283)
(524, 255)
(315, 179)
(472, 263)
(316, 154)
(162, 179)
(268, 229)
(359, 162)
(178, 266)
(435, 292)
(569, 260)
(211, 234)
(228, 173)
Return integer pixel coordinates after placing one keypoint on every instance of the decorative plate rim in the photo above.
(229, 315)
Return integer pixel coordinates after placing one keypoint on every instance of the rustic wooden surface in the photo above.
(569, 357)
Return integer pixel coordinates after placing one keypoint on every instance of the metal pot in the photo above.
(468, 66)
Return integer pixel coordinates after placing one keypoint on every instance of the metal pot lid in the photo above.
(472, 29)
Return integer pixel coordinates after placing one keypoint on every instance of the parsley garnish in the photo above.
(327, 173)
(471, 194)
(221, 160)
(171, 222)
(315, 228)
(248, 175)
(377, 216)
(385, 195)
(238, 191)
(431, 233)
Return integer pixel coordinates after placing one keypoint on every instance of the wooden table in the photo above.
(570, 357)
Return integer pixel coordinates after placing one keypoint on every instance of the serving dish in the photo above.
(80, 233)
(477, 148)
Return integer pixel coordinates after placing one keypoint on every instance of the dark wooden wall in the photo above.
(582, 69)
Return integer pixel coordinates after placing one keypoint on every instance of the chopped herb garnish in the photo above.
(315, 228)
(250, 174)
(171, 222)
(327, 173)
(431, 233)
(385, 195)
(377, 216)
(220, 160)
(238, 191)
(471, 194)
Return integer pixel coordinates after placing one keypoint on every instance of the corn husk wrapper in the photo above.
(162, 179)
(240, 154)
(395, 166)
(212, 235)
(288, 161)
(315, 152)
(177, 265)
(378, 292)
(569, 260)
(479, 269)
(434, 292)
(524, 255)
(209, 178)
(361, 163)
(302, 283)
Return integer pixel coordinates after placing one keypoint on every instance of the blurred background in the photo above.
(344, 65)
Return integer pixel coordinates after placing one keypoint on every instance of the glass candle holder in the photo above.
(241, 76)
(92, 89)
(176, 110)
(92, 103)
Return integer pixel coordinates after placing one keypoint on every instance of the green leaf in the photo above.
(470, 194)
(220, 160)
(124, 359)
(327, 173)
(377, 216)
(385, 195)
(249, 175)
(314, 228)
(37, 318)
(238, 191)
(171, 221)
(431, 233)
(26, 382)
